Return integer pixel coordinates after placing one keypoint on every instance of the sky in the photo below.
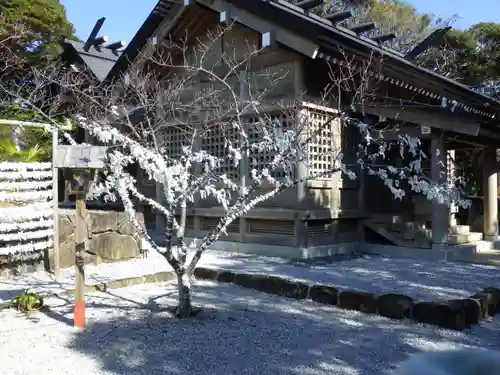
(469, 11)
(124, 17)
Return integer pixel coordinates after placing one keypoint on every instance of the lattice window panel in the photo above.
(280, 227)
(215, 142)
(172, 138)
(209, 223)
(323, 148)
(262, 159)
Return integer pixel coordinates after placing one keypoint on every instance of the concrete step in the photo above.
(457, 239)
(396, 238)
(489, 257)
(409, 225)
(460, 229)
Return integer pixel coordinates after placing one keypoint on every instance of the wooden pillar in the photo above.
(490, 195)
(440, 212)
(80, 234)
(55, 204)
(451, 173)
(301, 172)
(245, 157)
(159, 218)
(302, 122)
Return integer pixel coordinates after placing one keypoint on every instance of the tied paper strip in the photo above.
(26, 247)
(25, 196)
(22, 236)
(25, 185)
(9, 166)
(25, 175)
(27, 225)
(26, 213)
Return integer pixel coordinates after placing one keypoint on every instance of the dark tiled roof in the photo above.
(161, 10)
(99, 60)
(314, 28)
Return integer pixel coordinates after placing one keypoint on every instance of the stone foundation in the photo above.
(110, 235)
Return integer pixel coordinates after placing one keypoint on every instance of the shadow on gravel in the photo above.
(245, 332)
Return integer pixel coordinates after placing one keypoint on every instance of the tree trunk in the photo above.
(184, 290)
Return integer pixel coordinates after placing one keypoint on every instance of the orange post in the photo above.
(80, 233)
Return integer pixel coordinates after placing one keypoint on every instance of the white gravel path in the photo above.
(422, 280)
(240, 332)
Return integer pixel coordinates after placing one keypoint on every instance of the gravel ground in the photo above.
(422, 280)
(240, 331)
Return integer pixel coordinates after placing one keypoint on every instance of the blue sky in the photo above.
(124, 17)
(469, 11)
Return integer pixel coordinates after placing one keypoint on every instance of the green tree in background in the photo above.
(390, 16)
(36, 27)
(471, 57)
(31, 30)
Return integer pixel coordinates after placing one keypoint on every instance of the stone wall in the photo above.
(110, 234)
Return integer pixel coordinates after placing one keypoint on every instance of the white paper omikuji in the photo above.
(31, 235)
(26, 213)
(25, 175)
(25, 196)
(25, 185)
(13, 166)
(26, 247)
(27, 225)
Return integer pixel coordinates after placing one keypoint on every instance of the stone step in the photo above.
(489, 257)
(457, 239)
(490, 252)
(407, 226)
(460, 229)
(389, 220)
(394, 237)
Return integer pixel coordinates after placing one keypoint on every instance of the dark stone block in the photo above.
(494, 300)
(324, 294)
(283, 287)
(205, 273)
(359, 301)
(286, 288)
(483, 300)
(273, 285)
(226, 277)
(394, 306)
(251, 281)
(442, 314)
(472, 309)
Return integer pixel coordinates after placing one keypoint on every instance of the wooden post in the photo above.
(55, 203)
(80, 234)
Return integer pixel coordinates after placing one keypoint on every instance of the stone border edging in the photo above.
(112, 284)
(457, 314)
